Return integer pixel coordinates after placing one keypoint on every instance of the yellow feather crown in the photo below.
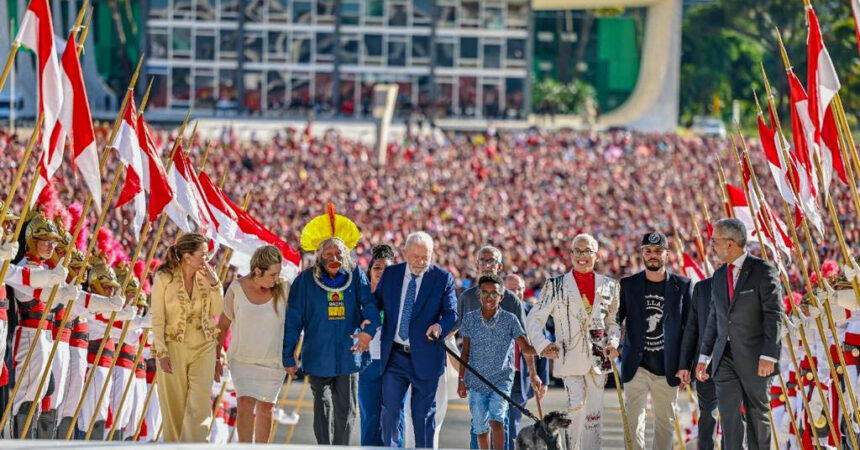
(327, 226)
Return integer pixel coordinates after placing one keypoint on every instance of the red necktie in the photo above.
(730, 271)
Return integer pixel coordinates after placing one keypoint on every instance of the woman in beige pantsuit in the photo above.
(186, 299)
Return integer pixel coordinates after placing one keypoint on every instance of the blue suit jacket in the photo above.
(631, 312)
(541, 365)
(436, 302)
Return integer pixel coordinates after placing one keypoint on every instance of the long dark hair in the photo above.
(377, 252)
(185, 244)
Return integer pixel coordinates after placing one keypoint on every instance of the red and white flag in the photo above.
(127, 143)
(772, 146)
(188, 200)
(154, 176)
(37, 34)
(802, 164)
(77, 121)
(822, 86)
(692, 270)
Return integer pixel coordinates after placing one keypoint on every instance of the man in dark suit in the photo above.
(697, 320)
(522, 390)
(741, 340)
(653, 313)
(420, 307)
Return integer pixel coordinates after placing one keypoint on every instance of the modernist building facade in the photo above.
(284, 58)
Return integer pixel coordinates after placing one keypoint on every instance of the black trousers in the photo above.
(707, 396)
(738, 385)
(335, 400)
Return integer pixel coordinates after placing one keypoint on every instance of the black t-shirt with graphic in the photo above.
(652, 360)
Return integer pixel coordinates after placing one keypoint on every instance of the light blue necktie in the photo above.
(406, 314)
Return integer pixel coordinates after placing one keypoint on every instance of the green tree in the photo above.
(553, 97)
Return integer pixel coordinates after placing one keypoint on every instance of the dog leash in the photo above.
(541, 427)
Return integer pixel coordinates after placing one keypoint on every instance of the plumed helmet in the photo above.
(101, 276)
(77, 262)
(9, 215)
(40, 228)
(123, 271)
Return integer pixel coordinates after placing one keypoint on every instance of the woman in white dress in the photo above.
(254, 312)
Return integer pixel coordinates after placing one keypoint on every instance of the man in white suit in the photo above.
(583, 306)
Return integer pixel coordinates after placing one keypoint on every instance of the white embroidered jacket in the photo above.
(561, 300)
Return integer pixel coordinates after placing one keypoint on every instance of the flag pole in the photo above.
(843, 120)
(13, 104)
(205, 156)
(283, 400)
(147, 225)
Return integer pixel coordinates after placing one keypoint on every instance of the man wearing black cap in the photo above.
(653, 312)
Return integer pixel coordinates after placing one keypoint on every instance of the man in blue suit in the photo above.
(420, 307)
(653, 311)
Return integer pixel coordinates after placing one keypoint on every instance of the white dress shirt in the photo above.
(736, 272)
(406, 277)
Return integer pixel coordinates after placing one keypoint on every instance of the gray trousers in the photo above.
(335, 400)
(736, 386)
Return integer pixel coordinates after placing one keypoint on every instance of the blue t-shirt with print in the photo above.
(491, 349)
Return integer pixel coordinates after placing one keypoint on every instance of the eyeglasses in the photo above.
(586, 252)
(48, 242)
(490, 295)
(488, 261)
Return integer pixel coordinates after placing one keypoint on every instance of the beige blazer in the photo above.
(561, 300)
(171, 305)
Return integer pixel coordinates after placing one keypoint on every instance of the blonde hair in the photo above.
(264, 258)
(186, 244)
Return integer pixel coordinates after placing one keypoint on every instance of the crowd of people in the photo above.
(529, 192)
(564, 214)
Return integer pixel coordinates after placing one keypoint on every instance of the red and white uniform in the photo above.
(78, 342)
(123, 372)
(137, 393)
(101, 367)
(152, 419)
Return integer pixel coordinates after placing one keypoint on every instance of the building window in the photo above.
(323, 90)
(159, 9)
(325, 11)
(253, 47)
(229, 45)
(514, 97)
(300, 49)
(206, 10)
(397, 15)
(278, 11)
(422, 12)
(420, 50)
(325, 47)
(516, 49)
(347, 94)
(350, 12)
(470, 13)
(183, 9)
(493, 19)
(300, 90)
(276, 91)
(374, 11)
(445, 54)
(158, 95)
(469, 48)
(468, 96)
(397, 53)
(492, 56)
(158, 43)
(252, 89)
(518, 15)
(302, 12)
(447, 17)
(278, 45)
(204, 46)
(181, 43)
(230, 9)
(180, 89)
(349, 50)
(373, 45)
(227, 93)
(204, 89)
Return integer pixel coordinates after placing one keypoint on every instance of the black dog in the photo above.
(556, 422)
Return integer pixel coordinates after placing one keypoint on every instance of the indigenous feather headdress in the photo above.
(329, 225)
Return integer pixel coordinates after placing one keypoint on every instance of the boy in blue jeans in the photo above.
(488, 346)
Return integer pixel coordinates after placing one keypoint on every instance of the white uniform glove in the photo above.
(851, 271)
(127, 313)
(8, 250)
(45, 278)
(67, 293)
(100, 303)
